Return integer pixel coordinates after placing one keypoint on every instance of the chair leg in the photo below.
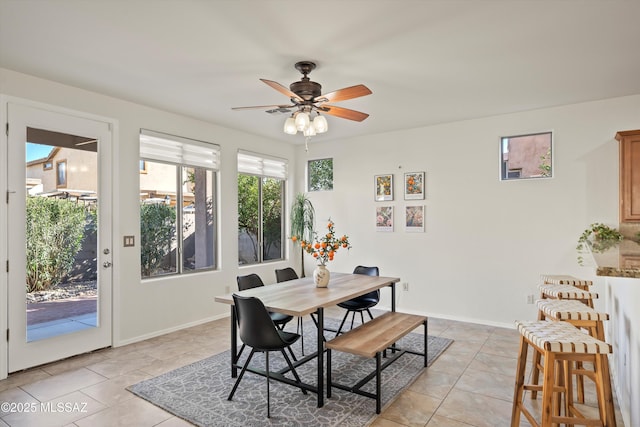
(370, 315)
(342, 323)
(293, 371)
(268, 396)
(353, 317)
(244, 369)
(293, 356)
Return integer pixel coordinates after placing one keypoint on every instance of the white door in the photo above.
(59, 234)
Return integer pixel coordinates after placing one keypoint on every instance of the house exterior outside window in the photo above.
(178, 205)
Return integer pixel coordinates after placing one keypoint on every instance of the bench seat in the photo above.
(372, 339)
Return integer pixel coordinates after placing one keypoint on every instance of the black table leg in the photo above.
(320, 314)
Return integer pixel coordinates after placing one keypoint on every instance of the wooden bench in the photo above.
(372, 339)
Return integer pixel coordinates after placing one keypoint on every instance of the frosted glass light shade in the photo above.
(320, 124)
(290, 126)
(309, 131)
(302, 121)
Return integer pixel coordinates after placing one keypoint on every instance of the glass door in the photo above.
(59, 235)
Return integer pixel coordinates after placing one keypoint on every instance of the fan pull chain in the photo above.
(306, 143)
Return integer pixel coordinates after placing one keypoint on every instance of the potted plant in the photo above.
(598, 238)
(323, 249)
(302, 219)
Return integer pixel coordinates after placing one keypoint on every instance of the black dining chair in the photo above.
(363, 302)
(251, 281)
(284, 275)
(259, 332)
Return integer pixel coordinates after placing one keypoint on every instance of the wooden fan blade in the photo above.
(343, 113)
(263, 107)
(344, 94)
(282, 89)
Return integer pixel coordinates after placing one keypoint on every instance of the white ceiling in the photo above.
(426, 62)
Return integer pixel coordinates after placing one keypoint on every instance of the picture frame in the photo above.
(414, 219)
(383, 186)
(384, 218)
(414, 186)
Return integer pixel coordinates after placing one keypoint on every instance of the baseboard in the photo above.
(168, 330)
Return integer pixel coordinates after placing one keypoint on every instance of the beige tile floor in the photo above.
(471, 384)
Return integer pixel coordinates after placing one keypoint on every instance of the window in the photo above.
(526, 156)
(320, 174)
(61, 174)
(261, 189)
(178, 204)
(143, 166)
(47, 165)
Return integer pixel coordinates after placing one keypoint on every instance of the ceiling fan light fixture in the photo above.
(320, 124)
(302, 120)
(309, 131)
(290, 126)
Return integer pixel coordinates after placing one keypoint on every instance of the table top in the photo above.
(301, 296)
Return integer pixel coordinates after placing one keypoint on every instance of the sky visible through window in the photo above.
(37, 151)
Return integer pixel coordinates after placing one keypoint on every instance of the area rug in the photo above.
(198, 392)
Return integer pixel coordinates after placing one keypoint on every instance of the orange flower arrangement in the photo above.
(324, 248)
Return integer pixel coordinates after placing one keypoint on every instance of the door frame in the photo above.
(110, 154)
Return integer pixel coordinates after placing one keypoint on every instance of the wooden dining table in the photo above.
(300, 297)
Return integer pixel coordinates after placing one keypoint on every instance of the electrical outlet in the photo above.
(405, 286)
(530, 299)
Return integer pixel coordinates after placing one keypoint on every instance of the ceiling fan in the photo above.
(306, 99)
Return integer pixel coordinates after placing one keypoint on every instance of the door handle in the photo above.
(106, 264)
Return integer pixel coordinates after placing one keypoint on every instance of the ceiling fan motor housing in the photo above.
(306, 89)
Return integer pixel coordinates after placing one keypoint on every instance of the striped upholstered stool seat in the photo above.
(567, 292)
(572, 311)
(560, 337)
(561, 279)
(579, 315)
(561, 343)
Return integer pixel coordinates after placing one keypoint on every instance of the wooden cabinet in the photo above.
(629, 175)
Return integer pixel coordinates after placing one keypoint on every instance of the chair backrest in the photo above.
(369, 271)
(255, 326)
(249, 281)
(286, 274)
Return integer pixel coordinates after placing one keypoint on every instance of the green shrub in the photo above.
(55, 229)
(157, 232)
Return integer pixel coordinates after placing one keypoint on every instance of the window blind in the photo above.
(176, 149)
(257, 164)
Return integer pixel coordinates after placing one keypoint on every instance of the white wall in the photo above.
(623, 332)
(147, 308)
(486, 242)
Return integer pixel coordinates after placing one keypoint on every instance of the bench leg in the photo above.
(378, 382)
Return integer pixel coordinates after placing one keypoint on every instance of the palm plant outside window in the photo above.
(261, 189)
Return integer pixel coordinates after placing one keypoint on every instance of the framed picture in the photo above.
(414, 219)
(384, 187)
(384, 218)
(414, 186)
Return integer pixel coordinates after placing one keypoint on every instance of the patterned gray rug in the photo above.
(198, 392)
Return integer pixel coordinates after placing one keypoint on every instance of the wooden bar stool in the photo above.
(570, 292)
(580, 316)
(561, 344)
(561, 279)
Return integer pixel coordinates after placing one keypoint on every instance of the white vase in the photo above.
(321, 276)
